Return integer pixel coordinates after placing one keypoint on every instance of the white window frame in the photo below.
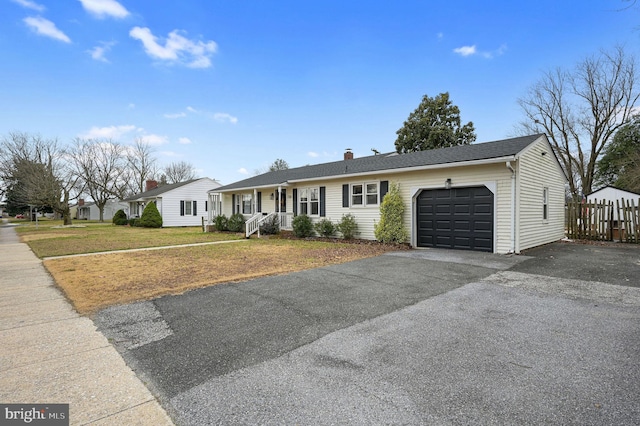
(307, 202)
(364, 195)
(188, 207)
(246, 201)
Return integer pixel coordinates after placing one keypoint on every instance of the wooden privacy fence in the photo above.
(604, 220)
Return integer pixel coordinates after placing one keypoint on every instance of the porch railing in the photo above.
(286, 221)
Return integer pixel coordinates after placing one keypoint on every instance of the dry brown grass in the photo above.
(95, 282)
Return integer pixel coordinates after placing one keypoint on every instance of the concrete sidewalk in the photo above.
(51, 354)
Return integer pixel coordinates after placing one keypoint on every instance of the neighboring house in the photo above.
(613, 194)
(90, 211)
(503, 196)
(179, 204)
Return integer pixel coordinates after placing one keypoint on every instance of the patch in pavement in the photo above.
(481, 353)
(476, 258)
(574, 289)
(132, 326)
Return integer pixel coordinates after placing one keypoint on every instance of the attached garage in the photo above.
(456, 218)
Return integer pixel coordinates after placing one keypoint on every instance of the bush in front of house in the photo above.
(325, 228)
(120, 218)
(302, 226)
(390, 229)
(221, 221)
(236, 223)
(133, 221)
(271, 226)
(348, 226)
(150, 217)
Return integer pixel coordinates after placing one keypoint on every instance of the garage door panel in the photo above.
(459, 218)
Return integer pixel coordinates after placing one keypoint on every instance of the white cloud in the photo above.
(110, 132)
(131, 106)
(176, 48)
(176, 115)
(184, 141)
(105, 8)
(30, 5)
(243, 171)
(224, 117)
(46, 28)
(465, 50)
(98, 52)
(313, 154)
(471, 50)
(170, 154)
(440, 36)
(154, 139)
(191, 109)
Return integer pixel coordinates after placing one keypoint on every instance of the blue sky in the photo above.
(230, 86)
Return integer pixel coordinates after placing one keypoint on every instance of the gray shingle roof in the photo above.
(389, 161)
(159, 190)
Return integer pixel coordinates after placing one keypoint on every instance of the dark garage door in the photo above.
(457, 218)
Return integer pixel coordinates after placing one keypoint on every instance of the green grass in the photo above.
(49, 238)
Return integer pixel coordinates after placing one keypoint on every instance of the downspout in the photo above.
(513, 207)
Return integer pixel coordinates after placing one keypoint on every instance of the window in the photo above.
(545, 203)
(246, 203)
(364, 194)
(309, 201)
(188, 208)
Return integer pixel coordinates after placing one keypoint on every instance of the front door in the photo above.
(283, 201)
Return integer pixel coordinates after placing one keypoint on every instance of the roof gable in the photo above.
(389, 161)
(155, 192)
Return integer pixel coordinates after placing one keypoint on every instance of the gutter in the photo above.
(513, 207)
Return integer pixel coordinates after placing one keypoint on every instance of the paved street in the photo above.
(419, 337)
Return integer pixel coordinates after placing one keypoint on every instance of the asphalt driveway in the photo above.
(419, 337)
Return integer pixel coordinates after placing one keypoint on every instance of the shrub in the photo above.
(325, 228)
(133, 221)
(150, 217)
(302, 226)
(391, 229)
(120, 218)
(271, 226)
(236, 223)
(221, 223)
(348, 227)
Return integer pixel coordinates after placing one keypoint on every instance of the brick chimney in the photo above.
(348, 154)
(151, 184)
(80, 202)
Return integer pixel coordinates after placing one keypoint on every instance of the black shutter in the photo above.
(233, 204)
(195, 208)
(181, 208)
(295, 201)
(384, 188)
(345, 195)
(323, 191)
(259, 203)
(206, 205)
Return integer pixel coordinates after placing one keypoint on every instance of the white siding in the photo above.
(168, 203)
(535, 172)
(495, 177)
(612, 194)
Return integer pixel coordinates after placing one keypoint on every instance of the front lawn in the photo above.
(95, 282)
(50, 238)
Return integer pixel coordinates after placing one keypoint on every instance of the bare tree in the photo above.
(179, 172)
(141, 165)
(39, 173)
(101, 164)
(580, 110)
